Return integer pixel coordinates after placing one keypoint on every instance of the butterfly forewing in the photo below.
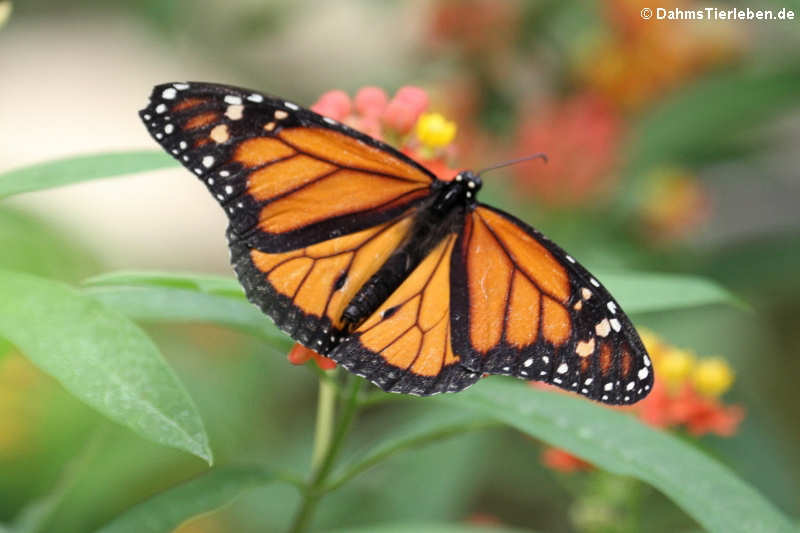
(286, 177)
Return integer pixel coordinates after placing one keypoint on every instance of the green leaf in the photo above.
(617, 442)
(642, 292)
(167, 510)
(209, 284)
(80, 168)
(158, 296)
(100, 357)
(712, 111)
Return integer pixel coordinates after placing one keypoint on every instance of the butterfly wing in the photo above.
(306, 290)
(286, 176)
(530, 310)
(314, 206)
(407, 344)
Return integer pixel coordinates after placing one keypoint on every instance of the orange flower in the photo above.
(300, 355)
(701, 414)
(476, 26)
(580, 137)
(684, 396)
(638, 60)
(563, 461)
(675, 203)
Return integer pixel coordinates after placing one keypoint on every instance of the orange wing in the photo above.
(306, 291)
(287, 177)
(529, 310)
(406, 345)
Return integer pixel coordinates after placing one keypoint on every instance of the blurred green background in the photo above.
(672, 145)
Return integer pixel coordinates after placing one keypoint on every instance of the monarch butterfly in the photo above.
(363, 255)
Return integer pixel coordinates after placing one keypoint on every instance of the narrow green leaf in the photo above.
(152, 297)
(80, 168)
(642, 292)
(209, 284)
(687, 125)
(619, 443)
(167, 510)
(100, 357)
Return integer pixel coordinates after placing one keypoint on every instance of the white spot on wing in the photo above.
(169, 93)
(643, 373)
(232, 99)
(562, 368)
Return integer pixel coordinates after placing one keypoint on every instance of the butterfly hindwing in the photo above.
(406, 345)
(286, 177)
(306, 290)
(530, 310)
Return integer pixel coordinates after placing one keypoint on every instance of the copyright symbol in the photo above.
(647, 13)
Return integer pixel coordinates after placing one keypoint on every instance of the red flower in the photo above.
(300, 355)
(405, 108)
(334, 104)
(563, 461)
(701, 414)
(581, 138)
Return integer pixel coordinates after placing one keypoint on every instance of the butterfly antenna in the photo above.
(540, 155)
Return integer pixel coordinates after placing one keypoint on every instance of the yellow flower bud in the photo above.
(434, 131)
(675, 365)
(712, 376)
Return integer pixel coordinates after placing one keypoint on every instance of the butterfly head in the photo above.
(470, 182)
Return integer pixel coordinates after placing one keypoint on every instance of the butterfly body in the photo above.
(363, 255)
(443, 215)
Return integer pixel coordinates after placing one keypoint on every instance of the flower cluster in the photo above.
(402, 121)
(687, 392)
(685, 396)
(642, 59)
(675, 202)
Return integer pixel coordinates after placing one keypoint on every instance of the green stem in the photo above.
(407, 444)
(323, 433)
(328, 453)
